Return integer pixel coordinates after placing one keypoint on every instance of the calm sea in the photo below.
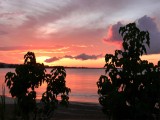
(81, 81)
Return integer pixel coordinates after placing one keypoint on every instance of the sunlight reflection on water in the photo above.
(81, 81)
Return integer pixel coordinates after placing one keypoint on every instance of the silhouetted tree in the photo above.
(131, 87)
(31, 75)
(56, 85)
(23, 82)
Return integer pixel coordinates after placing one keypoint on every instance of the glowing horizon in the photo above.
(73, 33)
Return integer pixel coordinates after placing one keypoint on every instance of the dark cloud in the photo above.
(146, 24)
(53, 59)
(68, 56)
(82, 56)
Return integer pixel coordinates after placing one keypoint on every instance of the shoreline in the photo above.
(10, 100)
(75, 111)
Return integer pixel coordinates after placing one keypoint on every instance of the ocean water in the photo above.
(81, 81)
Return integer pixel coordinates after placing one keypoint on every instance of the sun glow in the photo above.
(67, 62)
(41, 59)
(154, 58)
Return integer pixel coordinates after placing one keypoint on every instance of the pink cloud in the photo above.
(144, 23)
(113, 34)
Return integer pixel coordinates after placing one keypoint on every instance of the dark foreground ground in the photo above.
(75, 111)
(80, 111)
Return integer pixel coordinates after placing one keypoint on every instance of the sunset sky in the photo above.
(73, 32)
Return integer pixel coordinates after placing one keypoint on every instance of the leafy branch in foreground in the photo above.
(131, 87)
(23, 82)
(32, 75)
(56, 85)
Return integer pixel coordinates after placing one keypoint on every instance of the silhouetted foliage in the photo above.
(56, 85)
(23, 82)
(131, 87)
(31, 75)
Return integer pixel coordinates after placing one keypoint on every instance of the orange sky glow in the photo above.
(73, 33)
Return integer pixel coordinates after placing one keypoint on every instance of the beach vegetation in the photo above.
(130, 89)
(27, 77)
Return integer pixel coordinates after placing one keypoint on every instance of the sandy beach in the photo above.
(75, 111)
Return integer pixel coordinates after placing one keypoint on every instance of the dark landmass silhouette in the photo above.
(6, 65)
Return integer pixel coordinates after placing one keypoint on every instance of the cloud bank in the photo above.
(82, 56)
(144, 23)
(48, 21)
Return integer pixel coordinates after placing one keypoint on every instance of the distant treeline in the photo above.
(5, 65)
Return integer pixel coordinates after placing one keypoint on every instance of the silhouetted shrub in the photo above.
(131, 87)
(56, 85)
(31, 75)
